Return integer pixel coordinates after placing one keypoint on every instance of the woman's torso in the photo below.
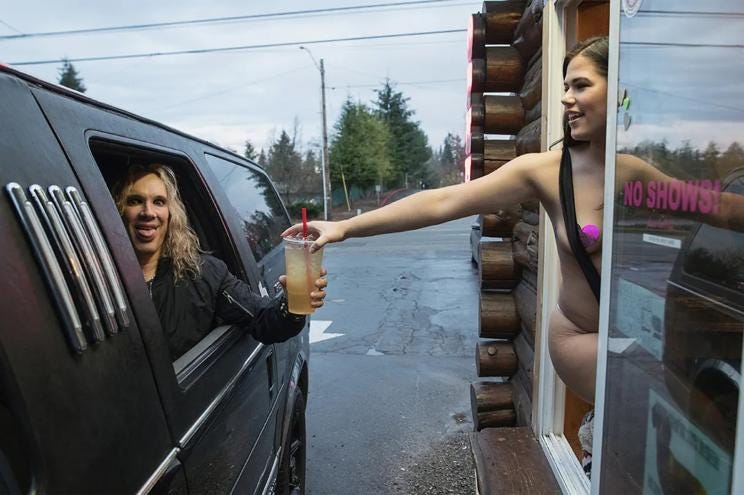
(575, 298)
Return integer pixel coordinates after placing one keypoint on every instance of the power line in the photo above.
(234, 48)
(10, 27)
(399, 83)
(232, 88)
(211, 20)
(651, 44)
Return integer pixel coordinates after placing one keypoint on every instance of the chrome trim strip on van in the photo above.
(270, 487)
(108, 315)
(722, 367)
(225, 390)
(103, 253)
(732, 309)
(187, 367)
(46, 257)
(90, 260)
(73, 263)
(159, 472)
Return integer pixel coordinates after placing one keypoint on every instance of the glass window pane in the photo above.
(256, 201)
(677, 278)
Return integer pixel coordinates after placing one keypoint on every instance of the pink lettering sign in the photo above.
(675, 195)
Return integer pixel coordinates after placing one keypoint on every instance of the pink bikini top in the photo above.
(589, 234)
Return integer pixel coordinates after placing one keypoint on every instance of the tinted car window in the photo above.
(253, 196)
(717, 254)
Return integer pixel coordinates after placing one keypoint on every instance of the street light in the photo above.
(324, 162)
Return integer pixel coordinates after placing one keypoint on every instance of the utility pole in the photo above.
(327, 203)
(325, 169)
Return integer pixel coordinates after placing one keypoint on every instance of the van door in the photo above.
(218, 395)
(250, 196)
(79, 409)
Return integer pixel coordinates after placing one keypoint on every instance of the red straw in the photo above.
(304, 223)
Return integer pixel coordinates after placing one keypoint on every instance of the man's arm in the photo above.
(267, 319)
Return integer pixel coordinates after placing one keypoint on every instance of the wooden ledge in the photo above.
(510, 461)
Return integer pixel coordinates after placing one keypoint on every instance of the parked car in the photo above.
(90, 400)
(704, 322)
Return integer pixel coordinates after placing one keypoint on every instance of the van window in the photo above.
(717, 254)
(193, 337)
(253, 196)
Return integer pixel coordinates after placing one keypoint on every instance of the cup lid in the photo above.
(299, 241)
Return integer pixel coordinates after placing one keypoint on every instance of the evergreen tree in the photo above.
(687, 161)
(452, 160)
(312, 184)
(730, 159)
(710, 156)
(284, 166)
(262, 159)
(408, 146)
(68, 76)
(250, 151)
(311, 162)
(359, 148)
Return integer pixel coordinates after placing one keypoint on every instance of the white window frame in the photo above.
(559, 21)
(607, 239)
(549, 414)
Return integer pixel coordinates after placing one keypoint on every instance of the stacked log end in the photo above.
(492, 405)
(507, 249)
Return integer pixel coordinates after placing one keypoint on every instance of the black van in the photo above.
(90, 400)
(703, 325)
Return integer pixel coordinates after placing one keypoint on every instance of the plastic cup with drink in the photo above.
(303, 269)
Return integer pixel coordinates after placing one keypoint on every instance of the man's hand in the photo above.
(316, 296)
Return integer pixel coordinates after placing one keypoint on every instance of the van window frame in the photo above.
(253, 169)
(204, 206)
(717, 293)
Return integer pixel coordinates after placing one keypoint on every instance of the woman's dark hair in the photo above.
(596, 50)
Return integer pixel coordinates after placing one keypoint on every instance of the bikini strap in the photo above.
(568, 206)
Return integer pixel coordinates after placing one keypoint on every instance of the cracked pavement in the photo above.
(388, 407)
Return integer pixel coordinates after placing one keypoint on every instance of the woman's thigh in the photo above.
(574, 355)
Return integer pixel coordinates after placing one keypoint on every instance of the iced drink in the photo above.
(303, 269)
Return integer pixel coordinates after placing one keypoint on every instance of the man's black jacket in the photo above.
(192, 307)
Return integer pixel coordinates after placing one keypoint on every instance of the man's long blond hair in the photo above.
(181, 243)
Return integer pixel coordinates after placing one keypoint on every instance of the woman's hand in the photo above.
(316, 296)
(324, 233)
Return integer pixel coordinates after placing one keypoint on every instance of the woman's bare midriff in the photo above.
(574, 322)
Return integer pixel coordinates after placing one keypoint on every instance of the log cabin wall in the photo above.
(504, 98)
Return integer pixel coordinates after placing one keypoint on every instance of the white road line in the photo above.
(317, 329)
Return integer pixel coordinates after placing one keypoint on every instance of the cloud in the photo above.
(224, 94)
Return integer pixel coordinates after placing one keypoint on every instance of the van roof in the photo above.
(76, 95)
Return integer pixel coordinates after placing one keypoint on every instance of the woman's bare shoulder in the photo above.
(544, 158)
(542, 168)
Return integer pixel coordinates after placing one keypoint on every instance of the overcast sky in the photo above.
(683, 87)
(230, 97)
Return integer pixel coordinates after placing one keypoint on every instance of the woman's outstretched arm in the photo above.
(510, 184)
